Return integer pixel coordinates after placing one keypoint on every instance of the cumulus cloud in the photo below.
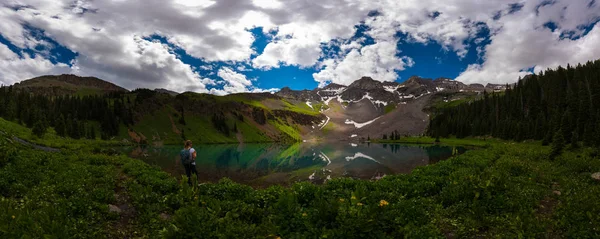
(378, 61)
(522, 42)
(234, 82)
(112, 38)
(14, 68)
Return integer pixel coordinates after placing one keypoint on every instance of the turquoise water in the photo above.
(267, 164)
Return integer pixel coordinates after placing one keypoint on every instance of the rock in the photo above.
(596, 176)
(556, 192)
(113, 208)
(164, 216)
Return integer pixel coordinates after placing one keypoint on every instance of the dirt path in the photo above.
(124, 227)
(546, 208)
(38, 147)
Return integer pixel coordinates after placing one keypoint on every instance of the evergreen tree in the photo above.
(558, 143)
(60, 126)
(39, 129)
(92, 132)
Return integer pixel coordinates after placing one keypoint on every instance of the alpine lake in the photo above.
(263, 164)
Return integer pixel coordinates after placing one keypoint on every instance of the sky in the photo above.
(232, 46)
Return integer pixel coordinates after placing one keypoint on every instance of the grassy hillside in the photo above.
(208, 118)
(504, 190)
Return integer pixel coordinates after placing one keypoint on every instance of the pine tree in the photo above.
(39, 129)
(558, 143)
(60, 126)
(92, 132)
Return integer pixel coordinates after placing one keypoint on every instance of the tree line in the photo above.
(558, 105)
(70, 115)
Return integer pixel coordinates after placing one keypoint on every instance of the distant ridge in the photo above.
(68, 84)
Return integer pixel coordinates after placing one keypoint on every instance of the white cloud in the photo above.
(109, 37)
(235, 82)
(14, 69)
(522, 42)
(378, 61)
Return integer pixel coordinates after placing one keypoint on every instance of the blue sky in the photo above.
(223, 47)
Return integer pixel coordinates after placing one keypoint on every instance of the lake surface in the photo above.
(268, 164)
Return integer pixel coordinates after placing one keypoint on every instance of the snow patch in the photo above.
(360, 125)
(439, 88)
(360, 155)
(325, 123)
(309, 105)
(380, 102)
(324, 157)
(390, 89)
(354, 135)
(354, 145)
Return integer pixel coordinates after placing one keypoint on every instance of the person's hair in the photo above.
(188, 143)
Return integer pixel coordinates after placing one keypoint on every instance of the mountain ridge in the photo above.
(68, 84)
(361, 110)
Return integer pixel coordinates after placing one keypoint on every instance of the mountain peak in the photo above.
(366, 83)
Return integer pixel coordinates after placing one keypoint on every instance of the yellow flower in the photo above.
(383, 203)
(304, 214)
(13, 217)
(196, 198)
(353, 197)
(342, 200)
(359, 204)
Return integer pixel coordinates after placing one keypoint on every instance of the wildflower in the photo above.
(383, 203)
(304, 214)
(342, 200)
(359, 204)
(196, 198)
(13, 217)
(353, 197)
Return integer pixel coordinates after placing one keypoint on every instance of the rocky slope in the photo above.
(369, 108)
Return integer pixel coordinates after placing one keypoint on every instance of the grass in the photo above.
(477, 142)
(50, 139)
(288, 130)
(302, 108)
(506, 190)
(389, 108)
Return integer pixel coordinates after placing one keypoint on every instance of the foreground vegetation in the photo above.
(506, 189)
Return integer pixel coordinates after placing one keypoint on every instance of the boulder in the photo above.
(596, 176)
(113, 208)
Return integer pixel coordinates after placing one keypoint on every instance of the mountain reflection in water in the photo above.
(267, 164)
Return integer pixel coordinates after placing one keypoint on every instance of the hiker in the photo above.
(188, 159)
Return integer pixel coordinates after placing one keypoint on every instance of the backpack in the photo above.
(186, 156)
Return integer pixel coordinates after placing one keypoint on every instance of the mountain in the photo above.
(369, 108)
(165, 91)
(68, 84)
(364, 109)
